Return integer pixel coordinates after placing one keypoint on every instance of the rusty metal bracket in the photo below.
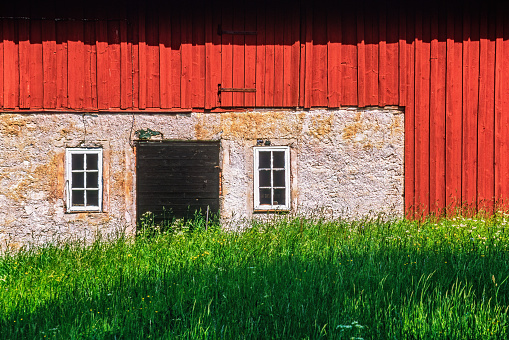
(231, 89)
(220, 31)
(234, 89)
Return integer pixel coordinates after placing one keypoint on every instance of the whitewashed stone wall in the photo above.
(347, 162)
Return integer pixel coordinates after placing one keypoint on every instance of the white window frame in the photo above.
(69, 183)
(256, 189)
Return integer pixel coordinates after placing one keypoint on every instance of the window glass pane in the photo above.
(279, 197)
(279, 159)
(92, 197)
(264, 180)
(92, 161)
(264, 159)
(84, 174)
(92, 180)
(78, 197)
(78, 179)
(265, 196)
(78, 162)
(279, 178)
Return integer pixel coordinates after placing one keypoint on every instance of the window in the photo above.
(272, 178)
(84, 179)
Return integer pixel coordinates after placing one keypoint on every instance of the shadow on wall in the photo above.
(278, 23)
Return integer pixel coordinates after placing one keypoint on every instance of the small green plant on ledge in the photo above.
(147, 134)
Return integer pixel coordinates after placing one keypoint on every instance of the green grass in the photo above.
(289, 278)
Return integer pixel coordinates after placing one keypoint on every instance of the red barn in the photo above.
(113, 109)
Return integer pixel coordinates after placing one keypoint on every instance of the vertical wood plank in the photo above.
(269, 56)
(486, 128)
(422, 69)
(10, 57)
(90, 67)
(295, 68)
(187, 57)
(361, 59)
(383, 55)
(152, 50)
(309, 56)
(198, 58)
(302, 55)
(89, 60)
(61, 32)
(1, 66)
(402, 48)
(24, 63)
(187, 61)
(176, 57)
(279, 66)
(36, 66)
(49, 61)
(501, 111)
(239, 65)
(287, 58)
(391, 67)
(437, 112)
(420, 118)
(250, 54)
(76, 64)
(349, 58)
(211, 54)
(89, 81)
(142, 59)
(371, 58)
(260, 53)
(454, 109)
(11, 65)
(227, 54)
(319, 85)
(103, 65)
(499, 92)
(470, 106)
(126, 67)
(133, 35)
(165, 56)
(410, 116)
(334, 56)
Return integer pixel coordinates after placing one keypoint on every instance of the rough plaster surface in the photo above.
(347, 161)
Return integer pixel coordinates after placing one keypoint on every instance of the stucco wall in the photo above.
(347, 161)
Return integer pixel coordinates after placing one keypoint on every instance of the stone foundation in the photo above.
(346, 162)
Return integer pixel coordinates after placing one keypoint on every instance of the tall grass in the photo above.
(286, 278)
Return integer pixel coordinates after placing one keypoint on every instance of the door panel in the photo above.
(175, 179)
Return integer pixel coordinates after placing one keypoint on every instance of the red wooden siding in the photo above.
(171, 56)
(446, 65)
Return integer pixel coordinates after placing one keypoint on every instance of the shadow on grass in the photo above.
(387, 293)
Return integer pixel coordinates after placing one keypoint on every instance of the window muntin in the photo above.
(84, 179)
(272, 178)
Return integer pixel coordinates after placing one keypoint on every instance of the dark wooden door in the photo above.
(177, 178)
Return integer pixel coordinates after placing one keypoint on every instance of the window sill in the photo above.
(84, 211)
(271, 211)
